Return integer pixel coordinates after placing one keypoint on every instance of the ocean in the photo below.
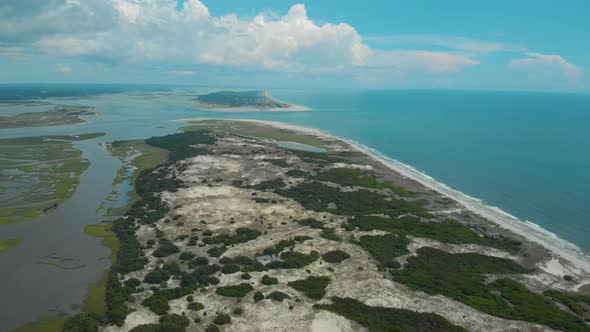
(526, 153)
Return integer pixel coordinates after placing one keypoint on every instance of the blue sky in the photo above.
(456, 44)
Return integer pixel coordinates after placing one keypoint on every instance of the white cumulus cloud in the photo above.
(547, 63)
(156, 31)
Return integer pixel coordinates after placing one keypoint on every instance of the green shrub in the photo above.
(165, 249)
(266, 280)
(156, 276)
(384, 248)
(212, 328)
(174, 320)
(335, 256)
(312, 287)
(222, 319)
(198, 262)
(311, 222)
(195, 306)
(216, 251)
(297, 260)
(278, 296)
(132, 283)
(230, 268)
(186, 256)
(234, 291)
(157, 303)
(258, 296)
(380, 319)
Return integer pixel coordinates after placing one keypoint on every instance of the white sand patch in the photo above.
(356, 166)
(136, 318)
(328, 322)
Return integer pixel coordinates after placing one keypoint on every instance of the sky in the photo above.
(539, 45)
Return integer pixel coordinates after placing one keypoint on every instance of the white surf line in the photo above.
(527, 229)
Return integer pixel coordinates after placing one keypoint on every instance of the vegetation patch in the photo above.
(335, 256)
(158, 302)
(240, 290)
(311, 222)
(384, 248)
(448, 231)
(273, 184)
(222, 319)
(312, 287)
(297, 173)
(7, 244)
(166, 248)
(317, 196)
(157, 276)
(216, 251)
(297, 260)
(181, 145)
(284, 244)
(330, 234)
(258, 296)
(266, 280)
(352, 177)
(380, 319)
(242, 235)
(195, 306)
(461, 277)
(278, 296)
(318, 158)
(577, 303)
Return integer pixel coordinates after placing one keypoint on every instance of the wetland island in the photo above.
(231, 229)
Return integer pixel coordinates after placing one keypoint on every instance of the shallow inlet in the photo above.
(49, 272)
(299, 146)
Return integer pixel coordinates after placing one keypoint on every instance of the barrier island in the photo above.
(234, 232)
(243, 101)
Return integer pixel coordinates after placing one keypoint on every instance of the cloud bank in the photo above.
(175, 41)
(548, 63)
(139, 31)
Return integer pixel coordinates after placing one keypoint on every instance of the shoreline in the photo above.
(529, 230)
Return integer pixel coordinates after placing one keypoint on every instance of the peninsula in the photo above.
(236, 232)
(243, 101)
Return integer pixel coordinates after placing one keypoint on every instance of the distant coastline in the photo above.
(244, 101)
